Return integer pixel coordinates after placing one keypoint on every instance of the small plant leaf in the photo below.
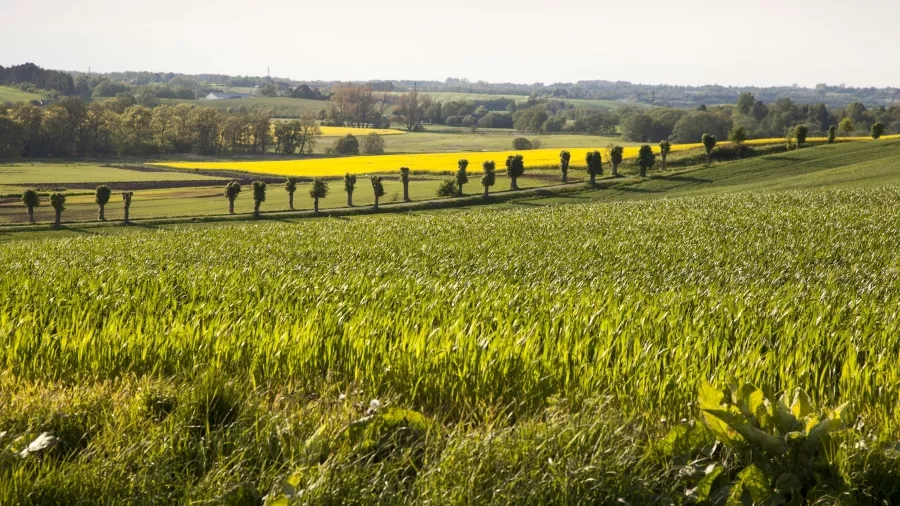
(802, 406)
(751, 487)
(701, 492)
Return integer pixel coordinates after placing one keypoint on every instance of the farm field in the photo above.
(447, 96)
(432, 161)
(427, 142)
(519, 356)
(282, 106)
(209, 200)
(20, 173)
(15, 95)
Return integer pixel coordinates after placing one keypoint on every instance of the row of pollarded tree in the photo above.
(32, 199)
(515, 168)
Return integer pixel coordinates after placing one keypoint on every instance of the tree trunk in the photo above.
(315, 205)
(256, 209)
(664, 162)
(376, 201)
(30, 214)
(513, 185)
(643, 171)
(593, 179)
(126, 216)
(102, 214)
(565, 178)
(230, 207)
(291, 201)
(349, 199)
(615, 171)
(709, 158)
(58, 219)
(459, 192)
(485, 192)
(406, 191)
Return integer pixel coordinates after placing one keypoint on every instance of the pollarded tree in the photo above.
(349, 186)
(31, 199)
(126, 200)
(290, 185)
(318, 190)
(709, 143)
(515, 168)
(58, 201)
(664, 148)
(404, 178)
(738, 137)
(800, 133)
(615, 155)
(832, 134)
(564, 157)
(232, 190)
(488, 177)
(101, 197)
(646, 159)
(594, 165)
(377, 188)
(877, 130)
(259, 196)
(461, 177)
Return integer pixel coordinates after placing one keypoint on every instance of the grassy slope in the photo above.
(62, 173)
(282, 106)
(9, 94)
(486, 140)
(850, 165)
(209, 201)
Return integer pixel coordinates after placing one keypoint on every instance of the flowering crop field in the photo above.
(436, 162)
(536, 355)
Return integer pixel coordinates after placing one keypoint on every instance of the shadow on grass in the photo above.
(631, 189)
(685, 179)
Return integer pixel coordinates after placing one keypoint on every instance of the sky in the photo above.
(681, 42)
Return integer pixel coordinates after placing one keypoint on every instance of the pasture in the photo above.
(15, 95)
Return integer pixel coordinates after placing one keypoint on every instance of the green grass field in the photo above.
(281, 106)
(209, 200)
(524, 353)
(485, 140)
(62, 173)
(15, 95)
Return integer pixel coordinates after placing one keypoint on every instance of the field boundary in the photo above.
(385, 208)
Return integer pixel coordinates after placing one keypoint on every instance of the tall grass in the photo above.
(549, 344)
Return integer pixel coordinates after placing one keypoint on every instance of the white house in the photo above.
(223, 95)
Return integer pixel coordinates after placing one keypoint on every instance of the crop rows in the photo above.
(487, 322)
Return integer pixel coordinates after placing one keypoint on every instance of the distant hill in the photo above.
(15, 95)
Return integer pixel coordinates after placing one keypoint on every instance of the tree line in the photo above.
(71, 127)
(319, 187)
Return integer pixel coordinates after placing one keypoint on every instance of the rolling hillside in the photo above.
(849, 165)
(9, 94)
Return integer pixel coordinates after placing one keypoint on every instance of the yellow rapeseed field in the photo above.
(435, 162)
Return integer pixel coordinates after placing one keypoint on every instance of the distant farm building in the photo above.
(223, 96)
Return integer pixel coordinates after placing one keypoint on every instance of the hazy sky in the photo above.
(757, 42)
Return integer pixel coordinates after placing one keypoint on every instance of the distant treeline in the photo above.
(31, 74)
(72, 127)
(758, 119)
(667, 95)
